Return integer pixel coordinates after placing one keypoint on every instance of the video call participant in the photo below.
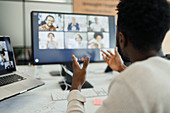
(10, 66)
(79, 42)
(73, 26)
(2, 59)
(51, 44)
(96, 26)
(2, 56)
(98, 37)
(48, 24)
(143, 87)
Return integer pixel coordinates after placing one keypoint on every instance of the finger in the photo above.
(86, 62)
(75, 63)
(110, 53)
(106, 54)
(116, 53)
(105, 59)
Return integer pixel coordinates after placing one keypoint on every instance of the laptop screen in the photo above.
(7, 63)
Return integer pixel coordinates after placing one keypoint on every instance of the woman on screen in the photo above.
(51, 44)
(79, 42)
(2, 56)
(73, 26)
(48, 24)
(98, 38)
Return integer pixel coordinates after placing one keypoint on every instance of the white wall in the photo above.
(11, 21)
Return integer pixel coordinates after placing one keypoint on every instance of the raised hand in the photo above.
(79, 75)
(114, 61)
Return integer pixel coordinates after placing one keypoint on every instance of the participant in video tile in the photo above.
(51, 44)
(9, 65)
(2, 59)
(75, 40)
(98, 36)
(80, 43)
(73, 26)
(47, 25)
(2, 56)
(96, 26)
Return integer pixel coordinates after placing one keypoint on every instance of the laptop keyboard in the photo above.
(10, 79)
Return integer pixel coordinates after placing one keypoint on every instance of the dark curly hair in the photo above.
(144, 22)
(98, 33)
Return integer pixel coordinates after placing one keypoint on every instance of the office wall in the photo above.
(11, 21)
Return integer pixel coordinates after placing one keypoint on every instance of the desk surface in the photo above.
(39, 99)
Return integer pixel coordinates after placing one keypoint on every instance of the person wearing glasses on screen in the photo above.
(73, 26)
(144, 86)
(48, 24)
(51, 44)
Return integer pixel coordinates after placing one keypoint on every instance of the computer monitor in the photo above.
(56, 36)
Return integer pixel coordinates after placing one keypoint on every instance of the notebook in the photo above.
(11, 82)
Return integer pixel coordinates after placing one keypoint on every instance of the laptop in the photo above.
(11, 82)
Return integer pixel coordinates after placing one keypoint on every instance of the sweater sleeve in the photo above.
(75, 102)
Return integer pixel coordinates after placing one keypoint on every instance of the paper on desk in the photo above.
(34, 103)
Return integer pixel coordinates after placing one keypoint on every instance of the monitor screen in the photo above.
(56, 36)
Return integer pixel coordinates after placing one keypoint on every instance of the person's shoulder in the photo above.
(149, 68)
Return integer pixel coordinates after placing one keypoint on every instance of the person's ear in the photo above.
(122, 40)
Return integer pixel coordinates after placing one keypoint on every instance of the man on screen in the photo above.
(96, 26)
(144, 86)
(48, 24)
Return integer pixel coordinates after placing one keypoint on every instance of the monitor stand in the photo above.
(67, 72)
(108, 69)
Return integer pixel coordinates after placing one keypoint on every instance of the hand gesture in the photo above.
(79, 74)
(114, 61)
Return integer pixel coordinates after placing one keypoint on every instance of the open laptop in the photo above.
(11, 82)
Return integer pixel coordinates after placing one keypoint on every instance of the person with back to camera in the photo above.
(73, 26)
(98, 44)
(48, 24)
(51, 44)
(144, 86)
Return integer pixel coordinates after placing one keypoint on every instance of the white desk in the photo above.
(39, 99)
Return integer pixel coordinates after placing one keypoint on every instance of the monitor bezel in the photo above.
(32, 40)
